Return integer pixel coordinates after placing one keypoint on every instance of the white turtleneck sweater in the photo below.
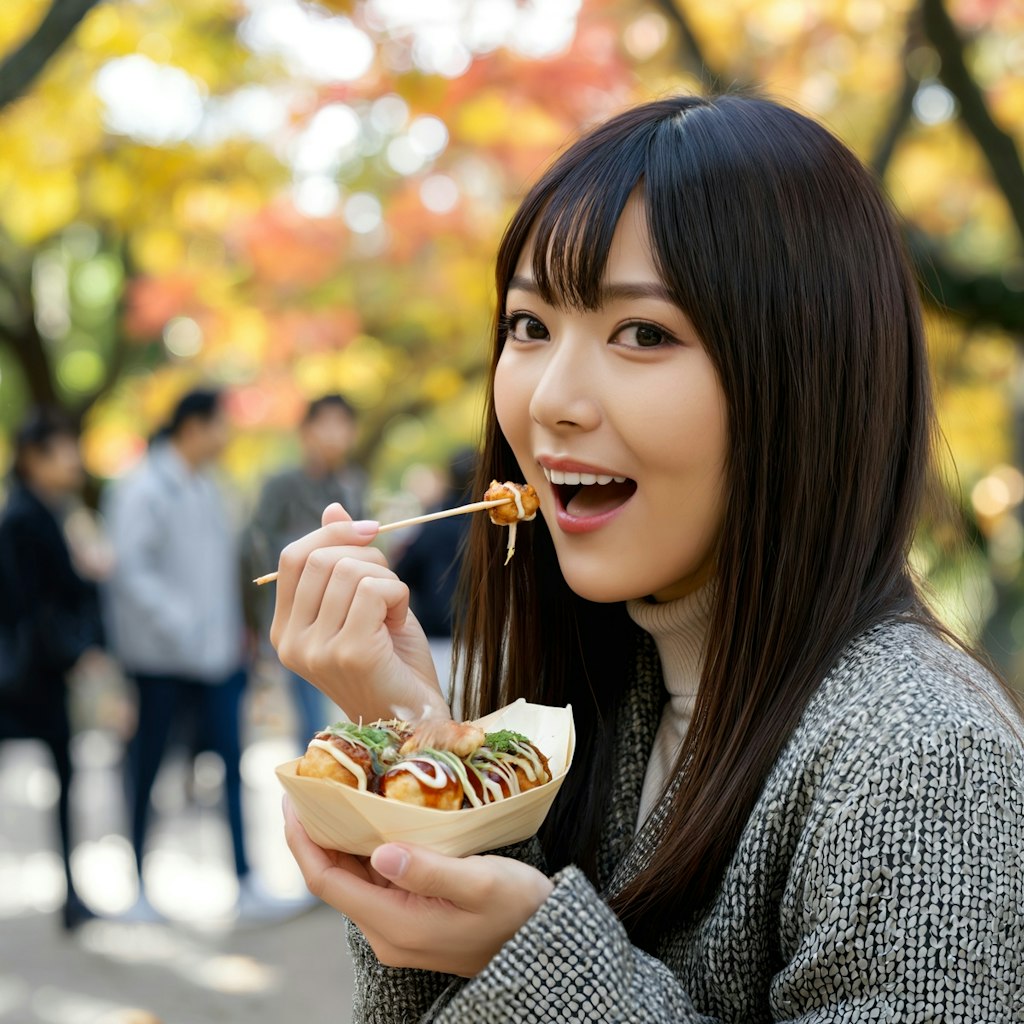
(679, 629)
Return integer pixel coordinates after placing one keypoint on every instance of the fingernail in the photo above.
(390, 861)
(366, 527)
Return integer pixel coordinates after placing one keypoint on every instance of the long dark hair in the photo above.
(781, 249)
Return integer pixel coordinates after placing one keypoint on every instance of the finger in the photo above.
(307, 854)
(345, 885)
(334, 513)
(467, 882)
(376, 603)
(294, 557)
(347, 579)
(335, 568)
(316, 863)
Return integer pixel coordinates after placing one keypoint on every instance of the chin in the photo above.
(602, 588)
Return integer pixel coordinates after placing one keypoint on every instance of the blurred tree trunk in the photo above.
(18, 326)
(20, 68)
(997, 146)
(19, 330)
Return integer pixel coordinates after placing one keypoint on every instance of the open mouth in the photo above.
(589, 494)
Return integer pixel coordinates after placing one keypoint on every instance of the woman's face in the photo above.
(617, 418)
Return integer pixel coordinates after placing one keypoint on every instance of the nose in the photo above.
(565, 397)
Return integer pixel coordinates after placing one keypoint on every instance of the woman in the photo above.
(793, 798)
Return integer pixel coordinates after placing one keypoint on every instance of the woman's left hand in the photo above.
(423, 909)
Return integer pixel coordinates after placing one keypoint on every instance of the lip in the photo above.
(574, 466)
(567, 522)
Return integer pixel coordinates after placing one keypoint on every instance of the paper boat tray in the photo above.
(338, 817)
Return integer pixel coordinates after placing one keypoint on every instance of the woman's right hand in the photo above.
(342, 621)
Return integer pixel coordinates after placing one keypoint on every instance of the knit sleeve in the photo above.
(908, 905)
(391, 995)
(904, 905)
(572, 962)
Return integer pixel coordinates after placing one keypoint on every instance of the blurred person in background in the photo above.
(429, 565)
(291, 503)
(175, 617)
(49, 607)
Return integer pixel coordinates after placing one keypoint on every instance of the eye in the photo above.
(524, 327)
(643, 335)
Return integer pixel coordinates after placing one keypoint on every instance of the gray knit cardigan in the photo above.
(880, 876)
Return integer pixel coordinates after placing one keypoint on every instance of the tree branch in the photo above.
(690, 50)
(26, 346)
(900, 116)
(977, 299)
(997, 146)
(118, 360)
(23, 65)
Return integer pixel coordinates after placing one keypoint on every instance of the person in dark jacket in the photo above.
(49, 611)
(290, 504)
(429, 565)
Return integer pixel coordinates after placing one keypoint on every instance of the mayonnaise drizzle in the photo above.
(343, 759)
(517, 497)
(524, 756)
(438, 780)
(484, 762)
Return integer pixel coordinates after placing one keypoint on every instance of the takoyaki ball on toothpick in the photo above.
(425, 780)
(522, 508)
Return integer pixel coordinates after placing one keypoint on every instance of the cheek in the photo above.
(511, 402)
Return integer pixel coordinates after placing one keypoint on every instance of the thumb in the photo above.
(334, 513)
(424, 872)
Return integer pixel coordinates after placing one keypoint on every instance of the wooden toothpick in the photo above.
(461, 510)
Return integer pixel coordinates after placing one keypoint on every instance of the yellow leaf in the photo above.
(244, 334)
(100, 27)
(47, 202)
(158, 250)
(442, 384)
(111, 191)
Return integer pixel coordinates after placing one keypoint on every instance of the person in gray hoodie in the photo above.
(174, 614)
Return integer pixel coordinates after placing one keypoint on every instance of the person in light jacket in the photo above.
(174, 611)
(795, 796)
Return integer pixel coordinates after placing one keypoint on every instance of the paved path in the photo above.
(200, 966)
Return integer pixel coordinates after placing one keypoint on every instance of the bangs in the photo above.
(570, 218)
(573, 235)
(571, 215)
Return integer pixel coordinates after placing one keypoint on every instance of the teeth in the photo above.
(558, 476)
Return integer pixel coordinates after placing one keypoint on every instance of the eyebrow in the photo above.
(608, 292)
